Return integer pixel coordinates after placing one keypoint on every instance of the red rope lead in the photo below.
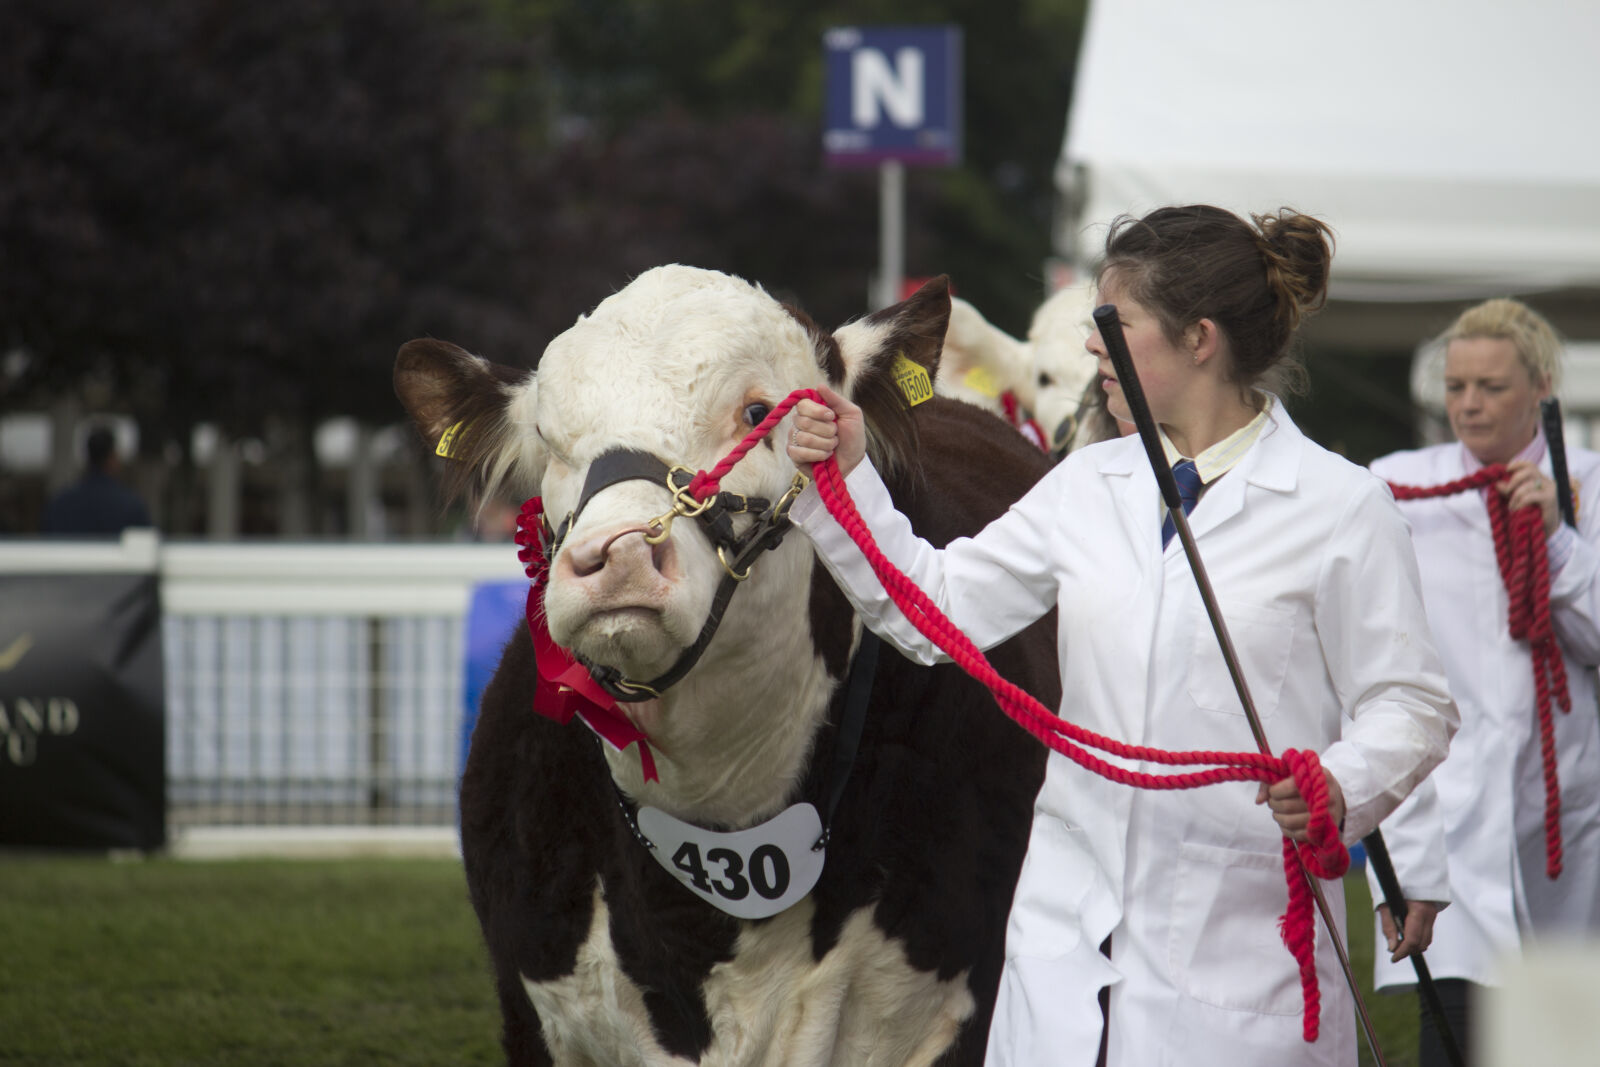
(1520, 552)
(1323, 854)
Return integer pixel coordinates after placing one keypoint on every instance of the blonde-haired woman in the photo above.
(1500, 359)
(1171, 900)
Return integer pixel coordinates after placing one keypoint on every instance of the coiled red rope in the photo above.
(1519, 549)
(1322, 854)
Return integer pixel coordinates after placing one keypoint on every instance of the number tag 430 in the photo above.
(750, 874)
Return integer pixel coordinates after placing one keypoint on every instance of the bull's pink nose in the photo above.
(626, 548)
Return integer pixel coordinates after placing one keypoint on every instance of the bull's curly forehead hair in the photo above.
(1256, 280)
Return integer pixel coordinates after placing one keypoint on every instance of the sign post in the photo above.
(893, 97)
(891, 231)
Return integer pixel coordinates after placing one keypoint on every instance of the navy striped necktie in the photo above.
(1187, 476)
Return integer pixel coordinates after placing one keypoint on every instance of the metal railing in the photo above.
(306, 684)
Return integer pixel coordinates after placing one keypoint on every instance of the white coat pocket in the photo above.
(1063, 904)
(1223, 947)
(1262, 637)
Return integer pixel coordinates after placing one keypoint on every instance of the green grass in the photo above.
(241, 964)
(300, 964)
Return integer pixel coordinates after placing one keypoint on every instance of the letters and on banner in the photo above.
(82, 712)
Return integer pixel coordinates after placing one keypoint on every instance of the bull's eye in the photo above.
(754, 413)
(1045, 380)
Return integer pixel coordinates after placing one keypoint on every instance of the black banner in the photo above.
(82, 713)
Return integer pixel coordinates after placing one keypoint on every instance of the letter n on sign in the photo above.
(893, 92)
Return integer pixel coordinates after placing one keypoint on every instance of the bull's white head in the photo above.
(681, 364)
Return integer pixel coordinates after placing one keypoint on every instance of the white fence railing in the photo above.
(306, 684)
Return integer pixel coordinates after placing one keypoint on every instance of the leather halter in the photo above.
(737, 552)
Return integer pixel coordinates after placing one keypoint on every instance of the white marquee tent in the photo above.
(1452, 145)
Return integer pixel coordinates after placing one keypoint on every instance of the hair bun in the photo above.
(1298, 253)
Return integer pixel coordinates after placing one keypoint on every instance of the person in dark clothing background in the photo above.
(97, 503)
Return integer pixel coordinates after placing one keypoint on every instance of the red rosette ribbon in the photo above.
(565, 688)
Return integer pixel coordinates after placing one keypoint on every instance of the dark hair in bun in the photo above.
(1256, 280)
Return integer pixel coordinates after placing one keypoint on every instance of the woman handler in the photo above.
(1172, 899)
(1501, 358)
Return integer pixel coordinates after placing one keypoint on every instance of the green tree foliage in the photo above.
(228, 211)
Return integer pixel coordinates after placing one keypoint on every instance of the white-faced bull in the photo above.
(605, 952)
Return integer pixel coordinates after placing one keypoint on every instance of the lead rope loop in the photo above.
(1520, 551)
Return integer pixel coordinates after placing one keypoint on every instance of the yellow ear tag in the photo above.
(979, 380)
(913, 380)
(447, 442)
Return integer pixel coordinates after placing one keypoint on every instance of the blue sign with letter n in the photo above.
(892, 93)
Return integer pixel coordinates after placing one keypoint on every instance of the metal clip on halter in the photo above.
(682, 504)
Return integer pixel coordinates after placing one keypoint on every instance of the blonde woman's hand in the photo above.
(1526, 484)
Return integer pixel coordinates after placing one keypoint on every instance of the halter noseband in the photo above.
(737, 552)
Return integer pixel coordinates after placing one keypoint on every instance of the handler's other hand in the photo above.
(1526, 484)
(836, 430)
(1419, 928)
(1291, 811)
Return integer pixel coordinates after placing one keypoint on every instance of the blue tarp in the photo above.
(494, 612)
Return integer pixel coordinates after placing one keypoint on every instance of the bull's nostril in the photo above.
(587, 558)
(662, 557)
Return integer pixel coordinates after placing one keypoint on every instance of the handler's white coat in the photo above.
(1310, 560)
(1491, 789)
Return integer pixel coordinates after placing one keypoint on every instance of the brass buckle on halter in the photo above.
(722, 556)
(682, 504)
(774, 520)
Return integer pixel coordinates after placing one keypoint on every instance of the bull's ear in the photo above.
(890, 359)
(974, 344)
(879, 345)
(470, 411)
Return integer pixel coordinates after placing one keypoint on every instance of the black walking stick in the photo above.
(1110, 327)
(1555, 440)
(1383, 869)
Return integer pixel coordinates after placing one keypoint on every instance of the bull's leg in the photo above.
(521, 1035)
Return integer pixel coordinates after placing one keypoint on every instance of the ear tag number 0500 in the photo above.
(750, 874)
(913, 379)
